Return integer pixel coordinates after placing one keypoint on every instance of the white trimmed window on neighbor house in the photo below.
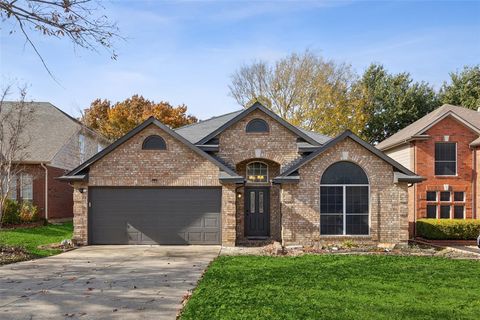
(26, 187)
(445, 204)
(81, 147)
(21, 188)
(445, 159)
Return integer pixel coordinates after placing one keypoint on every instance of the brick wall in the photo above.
(60, 202)
(425, 164)
(277, 148)
(129, 165)
(178, 165)
(388, 201)
(80, 209)
(60, 195)
(278, 145)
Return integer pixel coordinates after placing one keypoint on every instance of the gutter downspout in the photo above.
(46, 189)
(474, 184)
(415, 192)
(281, 219)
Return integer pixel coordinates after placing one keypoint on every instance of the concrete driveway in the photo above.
(103, 282)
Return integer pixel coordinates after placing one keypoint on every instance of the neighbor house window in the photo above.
(459, 196)
(344, 200)
(12, 190)
(257, 125)
(445, 159)
(154, 143)
(431, 196)
(81, 147)
(449, 205)
(257, 172)
(431, 211)
(26, 187)
(445, 196)
(458, 212)
(444, 212)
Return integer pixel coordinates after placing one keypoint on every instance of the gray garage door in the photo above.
(154, 215)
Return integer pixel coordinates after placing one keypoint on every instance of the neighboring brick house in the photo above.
(443, 148)
(241, 177)
(57, 143)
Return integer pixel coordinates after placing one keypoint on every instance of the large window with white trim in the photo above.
(445, 159)
(344, 200)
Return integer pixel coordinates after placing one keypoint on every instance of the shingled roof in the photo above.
(197, 132)
(470, 118)
(47, 132)
(401, 173)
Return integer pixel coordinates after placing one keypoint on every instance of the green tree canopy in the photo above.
(463, 89)
(392, 101)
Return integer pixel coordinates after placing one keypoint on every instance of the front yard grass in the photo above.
(337, 287)
(30, 238)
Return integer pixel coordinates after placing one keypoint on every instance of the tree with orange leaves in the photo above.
(113, 121)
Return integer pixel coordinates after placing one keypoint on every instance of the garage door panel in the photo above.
(155, 215)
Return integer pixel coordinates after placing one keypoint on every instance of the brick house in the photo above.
(442, 147)
(57, 143)
(240, 177)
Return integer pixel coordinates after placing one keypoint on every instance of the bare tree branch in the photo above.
(82, 21)
(14, 117)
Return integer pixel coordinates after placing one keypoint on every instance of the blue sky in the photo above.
(185, 52)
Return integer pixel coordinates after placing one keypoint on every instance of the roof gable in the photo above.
(258, 106)
(80, 170)
(48, 130)
(341, 137)
(469, 118)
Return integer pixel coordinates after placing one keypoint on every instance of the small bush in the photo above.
(28, 212)
(11, 212)
(448, 229)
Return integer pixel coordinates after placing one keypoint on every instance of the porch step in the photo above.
(256, 242)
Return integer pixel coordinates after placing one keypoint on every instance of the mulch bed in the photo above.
(13, 254)
(24, 225)
(418, 249)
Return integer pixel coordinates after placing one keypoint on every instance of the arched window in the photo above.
(257, 172)
(344, 200)
(257, 125)
(154, 143)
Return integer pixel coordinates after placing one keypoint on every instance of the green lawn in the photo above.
(31, 238)
(337, 287)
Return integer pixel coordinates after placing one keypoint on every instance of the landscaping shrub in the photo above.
(448, 229)
(28, 212)
(11, 212)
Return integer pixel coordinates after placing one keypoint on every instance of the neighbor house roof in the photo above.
(196, 131)
(401, 173)
(470, 118)
(80, 172)
(47, 130)
(201, 132)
